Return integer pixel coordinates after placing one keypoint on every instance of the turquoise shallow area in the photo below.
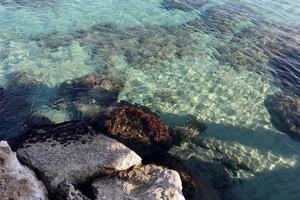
(218, 62)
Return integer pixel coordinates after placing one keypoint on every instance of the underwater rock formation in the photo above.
(286, 67)
(144, 182)
(142, 131)
(72, 152)
(242, 41)
(16, 180)
(222, 21)
(183, 127)
(87, 96)
(142, 47)
(53, 40)
(248, 45)
(285, 114)
(29, 3)
(185, 5)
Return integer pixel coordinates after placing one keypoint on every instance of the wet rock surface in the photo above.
(285, 114)
(193, 188)
(139, 129)
(144, 182)
(18, 181)
(185, 5)
(72, 152)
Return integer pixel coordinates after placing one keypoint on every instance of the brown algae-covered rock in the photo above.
(137, 128)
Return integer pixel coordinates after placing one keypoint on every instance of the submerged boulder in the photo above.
(185, 5)
(87, 96)
(73, 152)
(144, 182)
(17, 181)
(285, 114)
(137, 128)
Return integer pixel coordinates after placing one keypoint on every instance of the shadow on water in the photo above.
(27, 102)
(15, 106)
(223, 152)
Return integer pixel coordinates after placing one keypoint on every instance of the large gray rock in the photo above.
(17, 182)
(67, 191)
(73, 152)
(149, 182)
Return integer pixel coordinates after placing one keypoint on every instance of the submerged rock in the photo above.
(72, 152)
(141, 47)
(139, 129)
(286, 68)
(87, 96)
(17, 181)
(285, 114)
(29, 3)
(185, 5)
(222, 21)
(53, 40)
(145, 182)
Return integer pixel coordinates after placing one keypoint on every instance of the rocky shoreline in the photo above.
(117, 151)
(88, 159)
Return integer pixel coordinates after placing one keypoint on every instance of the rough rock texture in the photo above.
(17, 182)
(285, 114)
(66, 191)
(193, 188)
(138, 129)
(73, 152)
(146, 182)
(185, 5)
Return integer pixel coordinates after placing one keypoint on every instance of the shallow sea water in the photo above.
(217, 62)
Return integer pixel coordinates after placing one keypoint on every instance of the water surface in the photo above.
(217, 61)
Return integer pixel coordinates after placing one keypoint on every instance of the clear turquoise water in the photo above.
(223, 75)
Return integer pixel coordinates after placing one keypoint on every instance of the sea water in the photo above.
(222, 76)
